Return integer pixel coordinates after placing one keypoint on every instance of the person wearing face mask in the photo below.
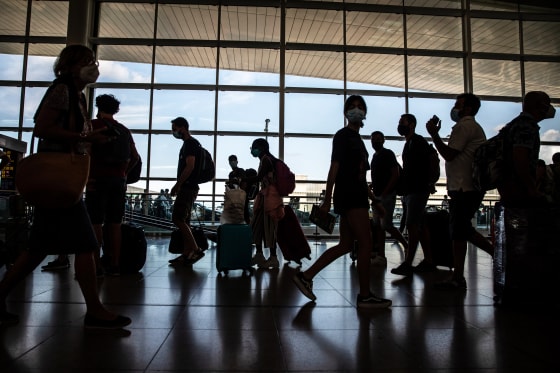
(186, 190)
(466, 136)
(347, 187)
(416, 190)
(385, 173)
(62, 125)
(519, 188)
(264, 224)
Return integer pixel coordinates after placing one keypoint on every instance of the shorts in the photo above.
(388, 204)
(62, 231)
(345, 198)
(462, 207)
(415, 207)
(183, 204)
(105, 200)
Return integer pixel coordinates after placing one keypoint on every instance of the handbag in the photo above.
(52, 179)
(176, 243)
(325, 221)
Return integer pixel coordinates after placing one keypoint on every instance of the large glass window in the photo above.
(126, 20)
(248, 111)
(185, 65)
(430, 32)
(374, 29)
(229, 107)
(435, 74)
(495, 35)
(196, 106)
(187, 21)
(497, 78)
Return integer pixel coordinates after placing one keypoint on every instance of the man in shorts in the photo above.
(186, 189)
(416, 189)
(106, 187)
(466, 136)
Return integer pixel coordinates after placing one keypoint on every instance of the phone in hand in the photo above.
(435, 119)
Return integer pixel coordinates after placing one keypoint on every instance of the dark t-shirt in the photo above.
(191, 147)
(382, 164)
(350, 188)
(416, 165)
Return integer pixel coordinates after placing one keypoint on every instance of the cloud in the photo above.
(117, 72)
(551, 135)
(238, 78)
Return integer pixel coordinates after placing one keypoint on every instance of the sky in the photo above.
(247, 111)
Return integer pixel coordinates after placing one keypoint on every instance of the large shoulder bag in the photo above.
(52, 179)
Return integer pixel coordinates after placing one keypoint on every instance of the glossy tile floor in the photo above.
(195, 320)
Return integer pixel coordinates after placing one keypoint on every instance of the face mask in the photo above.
(355, 115)
(89, 74)
(255, 152)
(377, 146)
(403, 130)
(233, 164)
(455, 115)
(550, 112)
(177, 134)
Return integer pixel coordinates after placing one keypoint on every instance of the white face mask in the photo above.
(89, 73)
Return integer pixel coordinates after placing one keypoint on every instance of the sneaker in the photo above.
(304, 285)
(404, 269)
(379, 261)
(271, 262)
(424, 267)
(451, 284)
(119, 322)
(373, 301)
(258, 259)
(56, 265)
(178, 260)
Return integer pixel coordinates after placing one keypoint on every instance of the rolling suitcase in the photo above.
(526, 255)
(291, 239)
(234, 248)
(133, 248)
(437, 223)
(176, 241)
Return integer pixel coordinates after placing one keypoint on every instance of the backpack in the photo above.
(206, 169)
(134, 173)
(118, 150)
(489, 162)
(434, 170)
(285, 179)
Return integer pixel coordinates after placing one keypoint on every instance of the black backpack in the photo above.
(206, 169)
(118, 150)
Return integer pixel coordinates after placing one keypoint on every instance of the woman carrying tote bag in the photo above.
(62, 126)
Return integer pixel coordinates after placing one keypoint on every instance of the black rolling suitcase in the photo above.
(234, 248)
(133, 248)
(437, 223)
(526, 255)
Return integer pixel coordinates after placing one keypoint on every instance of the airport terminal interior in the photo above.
(280, 70)
(194, 319)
